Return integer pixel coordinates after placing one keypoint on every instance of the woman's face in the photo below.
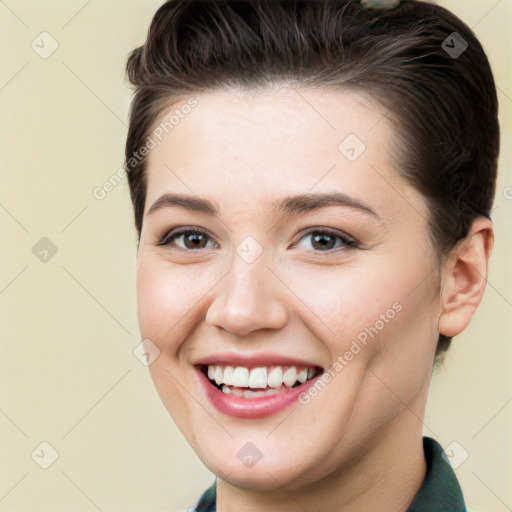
(281, 276)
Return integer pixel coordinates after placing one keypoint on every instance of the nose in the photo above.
(249, 298)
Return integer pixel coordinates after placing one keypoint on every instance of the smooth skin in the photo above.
(357, 445)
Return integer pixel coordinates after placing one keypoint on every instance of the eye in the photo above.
(188, 239)
(326, 240)
(318, 239)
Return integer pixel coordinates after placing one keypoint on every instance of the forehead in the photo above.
(255, 147)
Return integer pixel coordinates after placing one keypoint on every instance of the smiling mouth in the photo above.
(256, 382)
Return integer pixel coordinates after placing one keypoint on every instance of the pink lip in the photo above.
(249, 361)
(250, 408)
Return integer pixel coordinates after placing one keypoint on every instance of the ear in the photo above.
(464, 277)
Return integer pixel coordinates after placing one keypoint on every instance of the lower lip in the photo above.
(250, 407)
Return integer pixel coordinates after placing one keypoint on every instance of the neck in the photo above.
(385, 478)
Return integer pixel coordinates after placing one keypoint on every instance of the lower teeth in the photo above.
(249, 393)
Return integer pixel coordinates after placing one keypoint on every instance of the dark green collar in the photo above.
(440, 491)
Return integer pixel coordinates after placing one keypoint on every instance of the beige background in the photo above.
(68, 373)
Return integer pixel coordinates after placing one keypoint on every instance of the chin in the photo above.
(269, 473)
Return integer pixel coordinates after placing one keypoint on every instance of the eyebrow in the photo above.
(305, 203)
(293, 205)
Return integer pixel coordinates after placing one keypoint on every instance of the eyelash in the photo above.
(347, 242)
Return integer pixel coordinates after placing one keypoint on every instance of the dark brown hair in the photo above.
(436, 86)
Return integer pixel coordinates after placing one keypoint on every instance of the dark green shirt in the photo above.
(440, 491)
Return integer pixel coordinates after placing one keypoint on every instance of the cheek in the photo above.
(166, 298)
(383, 304)
(345, 300)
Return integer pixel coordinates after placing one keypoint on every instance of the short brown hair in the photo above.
(442, 101)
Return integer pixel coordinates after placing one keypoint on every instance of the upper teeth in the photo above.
(259, 378)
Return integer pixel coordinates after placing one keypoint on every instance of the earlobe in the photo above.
(464, 277)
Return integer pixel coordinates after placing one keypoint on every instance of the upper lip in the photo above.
(254, 360)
